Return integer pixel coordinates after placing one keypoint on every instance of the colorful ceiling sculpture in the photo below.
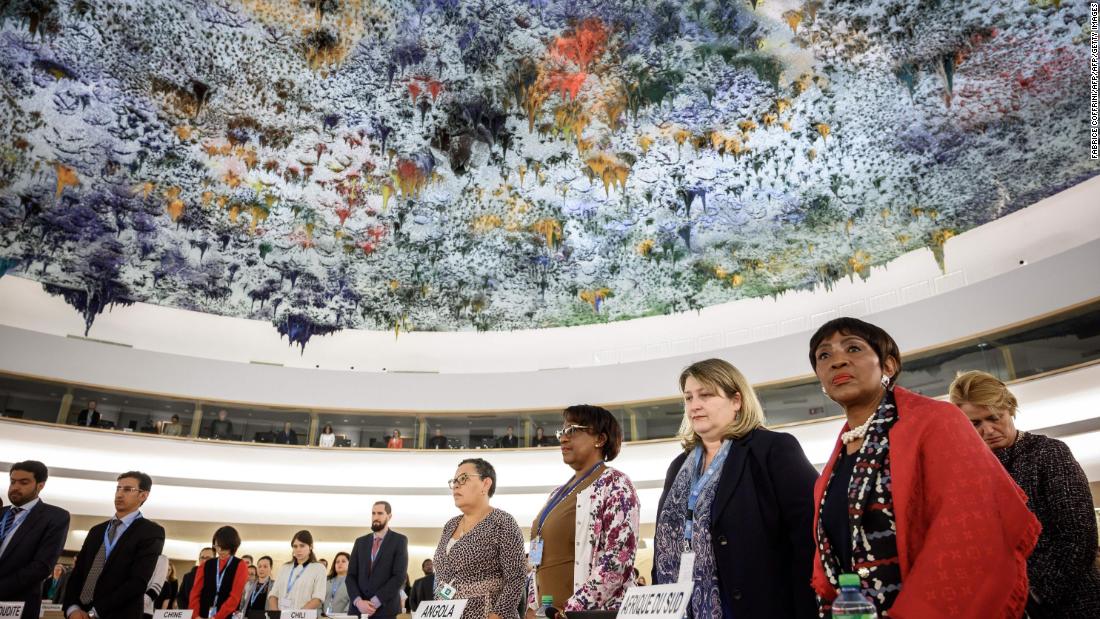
(504, 164)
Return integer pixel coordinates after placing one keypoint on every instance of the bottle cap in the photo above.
(547, 600)
(849, 580)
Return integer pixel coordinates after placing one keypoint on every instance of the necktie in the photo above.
(9, 519)
(374, 551)
(88, 591)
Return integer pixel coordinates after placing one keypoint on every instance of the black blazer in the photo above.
(507, 442)
(423, 590)
(82, 419)
(762, 526)
(385, 579)
(120, 590)
(56, 597)
(31, 555)
(183, 598)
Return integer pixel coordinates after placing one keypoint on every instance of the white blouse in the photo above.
(327, 440)
(309, 583)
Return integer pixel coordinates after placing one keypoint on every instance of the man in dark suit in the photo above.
(509, 440)
(222, 427)
(423, 588)
(287, 436)
(118, 557)
(89, 417)
(183, 600)
(32, 535)
(379, 562)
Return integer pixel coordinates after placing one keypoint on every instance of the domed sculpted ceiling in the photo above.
(504, 164)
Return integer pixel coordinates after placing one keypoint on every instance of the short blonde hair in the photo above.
(721, 375)
(981, 389)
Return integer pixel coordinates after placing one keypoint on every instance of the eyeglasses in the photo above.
(127, 489)
(460, 480)
(569, 430)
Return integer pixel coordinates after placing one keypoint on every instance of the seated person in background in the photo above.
(395, 442)
(287, 436)
(540, 439)
(438, 441)
(89, 417)
(328, 437)
(172, 428)
(509, 440)
(221, 428)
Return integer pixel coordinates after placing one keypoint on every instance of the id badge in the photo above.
(285, 604)
(447, 591)
(213, 612)
(687, 567)
(536, 552)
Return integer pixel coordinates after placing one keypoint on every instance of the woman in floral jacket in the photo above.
(584, 538)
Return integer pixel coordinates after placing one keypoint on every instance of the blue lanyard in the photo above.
(560, 495)
(293, 579)
(335, 585)
(108, 545)
(256, 591)
(698, 483)
(219, 575)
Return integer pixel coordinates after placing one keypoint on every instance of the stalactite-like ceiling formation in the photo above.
(447, 164)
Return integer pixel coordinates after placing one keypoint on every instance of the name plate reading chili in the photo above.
(300, 614)
(172, 614)
(11, 609)
(656, 602)
(440, 609)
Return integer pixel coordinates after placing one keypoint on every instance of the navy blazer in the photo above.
(762, 526)
(385, 579)
(31, 555)
(120, 591)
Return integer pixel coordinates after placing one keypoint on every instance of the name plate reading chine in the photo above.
(440, 609)
(172, 614)
(11, 609)
(656, 602)
(300, 614)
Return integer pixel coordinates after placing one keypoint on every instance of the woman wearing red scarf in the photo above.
(911, 500)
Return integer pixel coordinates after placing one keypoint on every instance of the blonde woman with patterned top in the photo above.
(480, 556)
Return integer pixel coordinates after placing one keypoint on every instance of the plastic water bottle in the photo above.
(547, 607)
(851, 603)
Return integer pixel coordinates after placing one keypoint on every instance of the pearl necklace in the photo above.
(857, 433)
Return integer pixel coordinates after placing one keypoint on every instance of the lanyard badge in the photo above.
(536, 552)
(447, 591)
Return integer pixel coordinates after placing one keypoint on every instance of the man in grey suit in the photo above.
(32, 535)
(377, 573)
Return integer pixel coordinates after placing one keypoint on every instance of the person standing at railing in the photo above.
(1062, 572)
(395, 442)
(737, 505)
(172, 428)
(911, 500)
(584, 538)
(222, 427)
(327, 438)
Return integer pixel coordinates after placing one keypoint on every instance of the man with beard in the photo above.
(32, 535)
(379, 562)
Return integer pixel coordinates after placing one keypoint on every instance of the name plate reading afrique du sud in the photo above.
(11, 609)
(160, 613)
(656, 601)
(440, 609)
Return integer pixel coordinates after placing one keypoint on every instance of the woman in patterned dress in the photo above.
(587, 532)
(480, 556)
(739, 498)
(911, 500)
(1062, 572)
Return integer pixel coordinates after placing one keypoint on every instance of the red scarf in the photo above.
(964, 529)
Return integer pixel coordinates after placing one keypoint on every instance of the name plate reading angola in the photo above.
(11, 609)
(440, 609)
(161, 613)
(656, 602)
(300, 614)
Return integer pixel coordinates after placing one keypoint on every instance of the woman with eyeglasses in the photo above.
(737, 505)
(480, 554)
(584, 537)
